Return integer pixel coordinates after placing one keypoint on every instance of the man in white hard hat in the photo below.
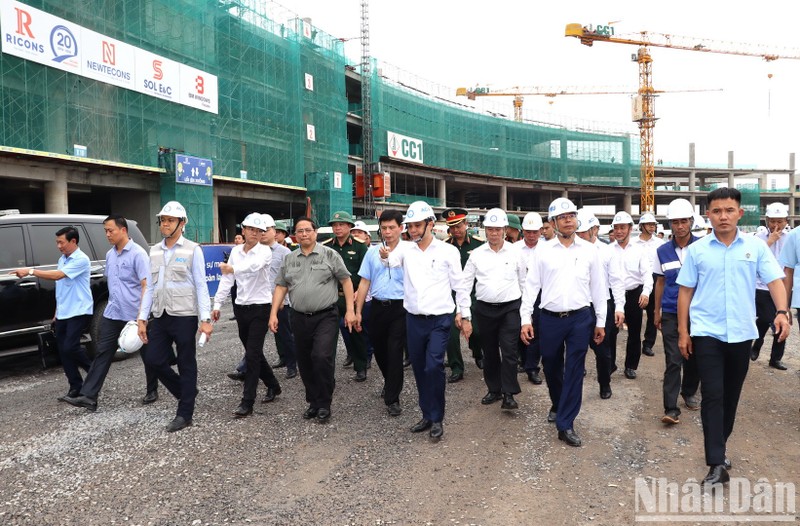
(669, 258)
(570, 276)
(637, 272)
(431, 272)
(127, 269)
(248, 267)
(530, 355)
(498, 272)
(171, 307)
(650, 241)
(775, 237)
(588, 227)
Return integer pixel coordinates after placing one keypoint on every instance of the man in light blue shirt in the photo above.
(717, 293)
(74, 305)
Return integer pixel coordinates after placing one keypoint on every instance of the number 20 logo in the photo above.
(199, 84)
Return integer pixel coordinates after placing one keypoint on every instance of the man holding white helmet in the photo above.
(431, 271)
(126, 270)
(569, 274)
(648, 238)
(530, 355)
(637, 275)
(248, 267)
(775, 237)
(174, 301)
(498, 272)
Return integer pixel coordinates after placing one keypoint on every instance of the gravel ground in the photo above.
(61, 465)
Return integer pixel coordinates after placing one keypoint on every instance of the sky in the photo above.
(506, 43)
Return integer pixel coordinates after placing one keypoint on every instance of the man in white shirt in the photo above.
(248, 267)
(529, 354)
(569, 274)
(650, 241)
(637, 275)
(500, 272)
(431, 271)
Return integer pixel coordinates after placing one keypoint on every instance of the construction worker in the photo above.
(569, 274)
(352, 252)
(514, 229)
(456, 220)
(172, 304)
(670, 257)
(637, 273)
(431, 272)
(498, 272)
(648, 238)
(588, 227)
(530, 356)
(775, 237)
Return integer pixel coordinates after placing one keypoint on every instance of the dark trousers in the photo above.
(355, 342)
(284, 340)
(315, 348)
(633, 317)
(427, 338)
(388, 336)
(454, 357)
(252, 323)
(149, 375)
(765, 315)
(602, 351)
(530, 355)
(106, 347)
(563, 369)
(73, 357)
(722, 368)
(650, 331)
(675, 362)
(500, 326)
(162, 333)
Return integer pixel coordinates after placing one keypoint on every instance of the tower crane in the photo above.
(646, 114)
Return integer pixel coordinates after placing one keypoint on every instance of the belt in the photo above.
(565, 314)
(428, 315)
(386, 303)
(309, 314)
(251, 306)
(497, 305)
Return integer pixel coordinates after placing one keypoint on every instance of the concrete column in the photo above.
(504, 197)
(691, 155)
(627, 202)
(565, 193)
(692, 180)
(215, 231)
(441, 191)
(763, 182)
(730, 166)
(56, 197)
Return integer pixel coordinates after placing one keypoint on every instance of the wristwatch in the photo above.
(466, 318)
(206, 320)
(30, 272)
(782, 312)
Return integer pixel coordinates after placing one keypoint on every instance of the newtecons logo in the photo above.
(405, 148)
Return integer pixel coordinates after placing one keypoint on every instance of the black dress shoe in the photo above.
(243, 410)
(361, 376)
(613, 369)
(323, 415)
(671, 417)
(647, 351)
(605, 392)
(348, 362)
(436, 431)
(455, 377)
(509, 404)
(754, 354)
(72, 393)
(150, 397)
(422, 425)
(570, 437)
(630, 374)
(520, 368)
(692, 403)
(534, 378)
(281, 363)
(778, 365)
(310, 413)
(716, 475)
(236, 375)
(291, 372)
(727, 464)
(479, 363)
(491, 398)
(177, 424)
(552, 416)
(82, 401)
(271, 394)
(394, 409)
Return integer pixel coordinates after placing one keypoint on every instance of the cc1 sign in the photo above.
(405, 148)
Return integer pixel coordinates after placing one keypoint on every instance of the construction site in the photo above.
(280, 120)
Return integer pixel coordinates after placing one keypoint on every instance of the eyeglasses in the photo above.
(568, 215)
(304, 231)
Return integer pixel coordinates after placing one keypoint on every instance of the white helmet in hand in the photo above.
(129, 341)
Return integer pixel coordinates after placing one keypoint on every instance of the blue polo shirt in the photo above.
(791, 258)
(125, 271)
(73, 293)
(385, 283)
(724, 279)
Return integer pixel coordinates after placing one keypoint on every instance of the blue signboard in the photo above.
(193, 170)
(214, 255)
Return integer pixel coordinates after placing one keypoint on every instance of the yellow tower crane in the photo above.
(646, 114)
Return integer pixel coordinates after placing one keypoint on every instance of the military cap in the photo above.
(514, 222)
(453, 216)
(342, 217)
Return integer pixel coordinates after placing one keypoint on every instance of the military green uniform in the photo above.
(454, 357)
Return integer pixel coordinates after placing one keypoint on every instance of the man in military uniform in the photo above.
(352, 252)
(282, 236)
(456, 219)
(514, 229)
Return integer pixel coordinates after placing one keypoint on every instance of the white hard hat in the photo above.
(174, 209)
(360, 225)
(562, 205)
(699, 222)
(268, 221)
(586, 220)
(622, 218)
(495, 217)
(254, 220)
(680, 209)
(531, 221)
(129, 341)
(647, 217)
(777, 211)
(762, 230)
(419, 211)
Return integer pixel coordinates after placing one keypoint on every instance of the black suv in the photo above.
(27, 305)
